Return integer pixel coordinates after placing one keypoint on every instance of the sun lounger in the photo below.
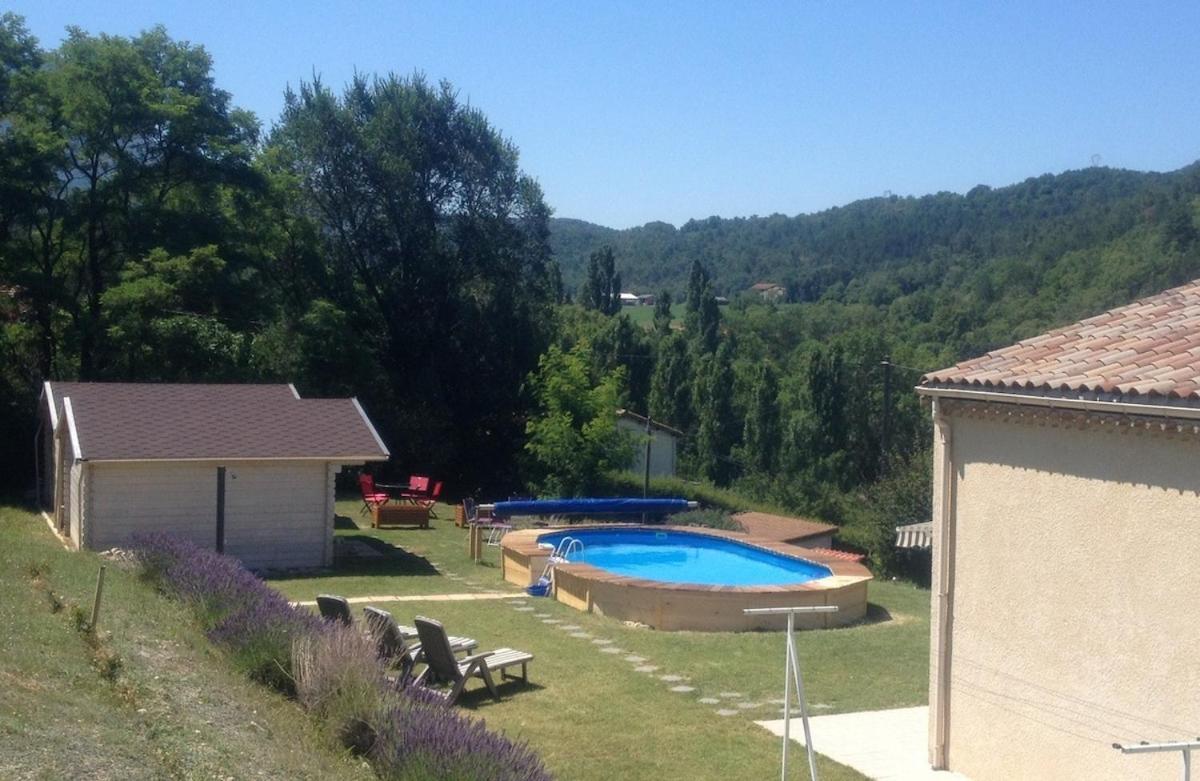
(443, 665)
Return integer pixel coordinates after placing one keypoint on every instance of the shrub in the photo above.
(341, 681)
(712, 519)
(420, 738)
(237, 610)
(406, 734)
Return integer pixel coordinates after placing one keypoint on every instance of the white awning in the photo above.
(915, 535)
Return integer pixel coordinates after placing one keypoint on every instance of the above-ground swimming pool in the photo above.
(686, 578)
(683, 557)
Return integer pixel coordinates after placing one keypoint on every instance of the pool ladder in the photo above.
(566, 546)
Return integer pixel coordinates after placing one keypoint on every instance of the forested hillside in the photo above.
(976, 269)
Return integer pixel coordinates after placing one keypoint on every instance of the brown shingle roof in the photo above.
(136, 421)
(781, 527)
(1148, 348)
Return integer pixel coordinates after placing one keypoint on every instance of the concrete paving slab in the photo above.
(888, 745)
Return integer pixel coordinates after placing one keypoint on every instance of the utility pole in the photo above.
(885, 439)
(646, 478)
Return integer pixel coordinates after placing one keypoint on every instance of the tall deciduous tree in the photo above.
(716, 429)
(761, 437)
(602, 289)
(671, 384)
(434, 258)
(573, 436)
(662, 314)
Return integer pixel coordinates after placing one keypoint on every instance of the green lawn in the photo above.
(174, 709)
(644, 315)
(592, 716)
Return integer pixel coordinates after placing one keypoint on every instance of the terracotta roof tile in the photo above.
(1148, 348)
(151, 421)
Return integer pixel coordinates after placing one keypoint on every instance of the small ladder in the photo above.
(566, 546)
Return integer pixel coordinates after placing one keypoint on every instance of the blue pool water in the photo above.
(682, 557)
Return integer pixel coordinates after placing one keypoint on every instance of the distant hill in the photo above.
(879, 249)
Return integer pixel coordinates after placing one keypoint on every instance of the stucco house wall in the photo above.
(1072, 548)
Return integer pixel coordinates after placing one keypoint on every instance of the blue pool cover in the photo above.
(589, 506)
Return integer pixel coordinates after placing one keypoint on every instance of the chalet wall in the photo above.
(1074, 575)
(275, 512)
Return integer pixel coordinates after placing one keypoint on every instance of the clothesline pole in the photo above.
(791, 671)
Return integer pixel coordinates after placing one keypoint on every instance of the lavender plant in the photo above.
(237, 610)
(420, 739)
(406, 734)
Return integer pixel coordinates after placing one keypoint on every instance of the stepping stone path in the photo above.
(645, 668)
(726, 712)
(524, 609)
(570, 627)
(551, 621)
(748, 705)
(731, 695)
(612, 649)
(671, 678)
(581, 635)
(541, 615)
(683, 689)
(602, 641)
(635, 659)
(709, 701)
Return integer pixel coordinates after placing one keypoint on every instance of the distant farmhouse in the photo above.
(769, 291)
(635, 299)
(1066, 536)
(664, 443)
(247, 470)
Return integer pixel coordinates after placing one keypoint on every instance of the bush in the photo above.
(237, 610)
(341, 681)
(419, 738)
(711, 519)
(406, 734)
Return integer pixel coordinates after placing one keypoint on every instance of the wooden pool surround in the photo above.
(683, 606)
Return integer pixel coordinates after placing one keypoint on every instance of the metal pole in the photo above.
(1185, 747)
(791, 666)
(787, 696)
(808, 744)
(886, 438)
(649, 439)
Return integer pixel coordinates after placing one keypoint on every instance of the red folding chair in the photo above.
(429, 501)
(372, 497)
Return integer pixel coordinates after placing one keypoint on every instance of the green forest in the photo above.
(381, 240)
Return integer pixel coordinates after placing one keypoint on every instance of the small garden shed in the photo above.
(664, 443)
(1066, 536)
(245, 469)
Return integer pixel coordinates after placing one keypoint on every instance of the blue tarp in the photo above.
(589, 506)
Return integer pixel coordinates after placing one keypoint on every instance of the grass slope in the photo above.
(591, 716)
(174, 709)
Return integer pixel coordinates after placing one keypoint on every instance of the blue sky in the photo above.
(632, 112)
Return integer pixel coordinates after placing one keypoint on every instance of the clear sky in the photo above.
(640, 111)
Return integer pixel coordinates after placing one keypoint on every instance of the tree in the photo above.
(670, 385)
(126, 145)
(762, 437)
(434, 247)
(662, 314)
(602, 290)
(573, 437)
(716, 428)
